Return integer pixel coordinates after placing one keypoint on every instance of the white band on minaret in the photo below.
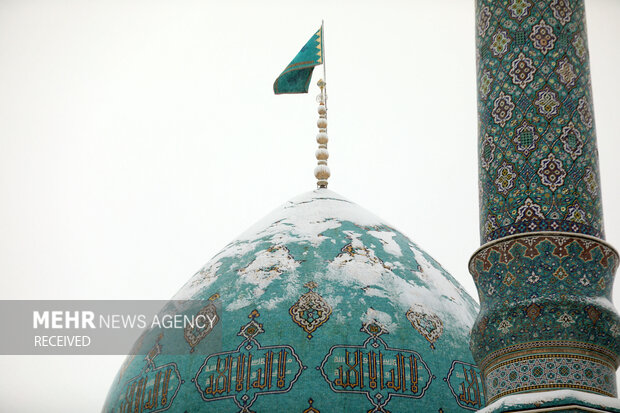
(321, 172)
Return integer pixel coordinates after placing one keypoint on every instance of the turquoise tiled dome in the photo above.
(319, 307)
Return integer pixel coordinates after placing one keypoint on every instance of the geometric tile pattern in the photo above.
(538, 162)
(545, 293)
(549, 372)
(546, 321)
(426, 322)
(311, 310)
(196, 333)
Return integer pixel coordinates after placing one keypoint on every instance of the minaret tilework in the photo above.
(538, 158)
(544, 274)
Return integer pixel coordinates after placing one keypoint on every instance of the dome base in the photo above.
(554, 401)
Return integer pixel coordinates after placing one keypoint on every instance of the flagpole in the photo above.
(290, 81)
(321, 172)
(324, 65)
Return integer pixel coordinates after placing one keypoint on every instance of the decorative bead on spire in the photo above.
(321, 172)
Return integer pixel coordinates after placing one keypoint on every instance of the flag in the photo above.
(296, 77)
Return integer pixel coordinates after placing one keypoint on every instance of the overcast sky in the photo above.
(138, 138)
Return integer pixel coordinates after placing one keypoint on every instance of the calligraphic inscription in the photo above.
(249, 371)
(154, 389)
(376, 370)
(464, 380)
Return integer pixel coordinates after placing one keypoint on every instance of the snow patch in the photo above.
(267, 266)
(303, 218)
(357, 264)
(290, 291)
(383, 318)
(442, 285)
(240, 303)
(387, 240)
(199, 281)
(551, 396)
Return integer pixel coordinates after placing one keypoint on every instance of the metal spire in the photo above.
(321, 172)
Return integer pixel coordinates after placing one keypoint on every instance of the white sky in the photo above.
(137, 138)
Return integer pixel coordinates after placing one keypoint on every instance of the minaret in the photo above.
(544, 272)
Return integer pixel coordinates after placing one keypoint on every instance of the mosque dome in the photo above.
(319, 307)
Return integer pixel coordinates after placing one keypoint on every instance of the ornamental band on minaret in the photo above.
(544, 274)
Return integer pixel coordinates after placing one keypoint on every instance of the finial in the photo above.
(321, 172)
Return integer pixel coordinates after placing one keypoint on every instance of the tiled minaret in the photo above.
(544, 272)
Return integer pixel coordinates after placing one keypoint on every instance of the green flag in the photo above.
(296, 77)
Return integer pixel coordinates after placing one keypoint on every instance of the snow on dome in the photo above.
(320, 305)
(567, 399)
